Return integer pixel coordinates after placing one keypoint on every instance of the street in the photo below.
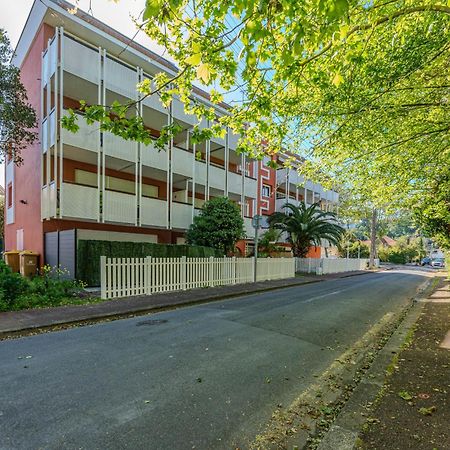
(203, 377)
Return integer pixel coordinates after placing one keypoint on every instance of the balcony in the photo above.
(119, 148)
(120, 78)
(181, 215)
(249, 230)
(81, 60)
(217, 177)
(182, 162)
(48, 201)
(79, 202)
(87, 137)
(153, 212)
(120, 207)
(153, 157)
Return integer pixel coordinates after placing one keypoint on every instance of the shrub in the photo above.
(12, 286)
(49, 288)
(219, 225)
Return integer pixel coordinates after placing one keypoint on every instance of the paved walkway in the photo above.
(19, 321)
(413, 412)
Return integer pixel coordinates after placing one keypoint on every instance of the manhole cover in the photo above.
(151, 322)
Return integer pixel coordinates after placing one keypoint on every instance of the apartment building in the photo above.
(93, 184)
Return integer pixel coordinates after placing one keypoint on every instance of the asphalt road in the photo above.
(204, 377)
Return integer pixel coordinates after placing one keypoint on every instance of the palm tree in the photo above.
(306, 226)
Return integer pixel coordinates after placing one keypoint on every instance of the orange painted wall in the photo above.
(314, 252)
(27, 177)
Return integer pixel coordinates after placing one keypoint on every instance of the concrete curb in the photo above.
(84, 314)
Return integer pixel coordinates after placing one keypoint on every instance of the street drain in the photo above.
(151, 322)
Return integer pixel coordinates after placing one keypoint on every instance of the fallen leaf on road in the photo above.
(427, 411)
(405, 395)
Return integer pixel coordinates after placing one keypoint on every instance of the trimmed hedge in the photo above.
(89, 252)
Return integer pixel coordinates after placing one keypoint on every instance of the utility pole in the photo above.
(373, 238)
(256, 223)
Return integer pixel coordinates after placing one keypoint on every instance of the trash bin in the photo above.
(12, 260)
(28, 263)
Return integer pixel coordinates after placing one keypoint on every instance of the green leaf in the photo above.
(405, 395)
(338, 79)
(193, 60)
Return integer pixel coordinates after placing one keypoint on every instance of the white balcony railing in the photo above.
(249, 230)
(217, 177)
(87, 137)
(182, 162)
(120, 78)
(153, 212)
(181, 215)
(80, 202)
(152, 157)
(119, 207)
(119, 148)
(81, 60)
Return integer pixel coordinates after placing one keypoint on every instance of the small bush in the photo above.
(49, 288)
(12, 286)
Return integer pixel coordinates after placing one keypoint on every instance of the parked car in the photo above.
(438, 262)
(425, 261)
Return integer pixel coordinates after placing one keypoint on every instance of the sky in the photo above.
(14, 14)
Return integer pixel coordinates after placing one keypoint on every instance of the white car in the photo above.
(438, 262)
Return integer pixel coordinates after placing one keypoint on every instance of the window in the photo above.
(265, 191)
(9, 194)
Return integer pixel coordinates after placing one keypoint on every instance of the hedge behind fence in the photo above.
(89, 252)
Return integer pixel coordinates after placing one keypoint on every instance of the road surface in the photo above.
(203, 377)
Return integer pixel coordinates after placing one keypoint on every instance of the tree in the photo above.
(17, 116)
(218, 225)
(361, 87)
(306, 226)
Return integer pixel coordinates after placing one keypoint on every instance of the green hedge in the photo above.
(89, 252)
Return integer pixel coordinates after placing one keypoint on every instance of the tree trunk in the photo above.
(373, 239)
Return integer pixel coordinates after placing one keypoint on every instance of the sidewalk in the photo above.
(33, 319)
(413, 407)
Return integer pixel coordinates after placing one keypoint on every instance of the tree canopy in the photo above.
(218, 225)
(17, 116)
(306, 226)
(361, 88)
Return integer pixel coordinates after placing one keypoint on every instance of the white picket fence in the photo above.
(123, 277)
(331, 265)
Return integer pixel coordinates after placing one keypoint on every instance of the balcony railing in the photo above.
(80, 202)
(87, 137)
(153, 212)
(181, 215)
(119, 207)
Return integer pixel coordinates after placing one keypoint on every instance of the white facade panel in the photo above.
(251, 187)
(52, 128)
(182, 162)
(233, 141)
(152, 157)
(234, 183)
(120, 78)
(87, 137)
(44, 136)
(217, 177)
(153, 212)
(181, 215)
(80, 60)
(80, 202)
(249, 230)
(200, 172)
(119, 148)
(119, 207)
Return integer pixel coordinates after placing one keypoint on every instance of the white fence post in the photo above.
(147, 264)
(103, 277)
